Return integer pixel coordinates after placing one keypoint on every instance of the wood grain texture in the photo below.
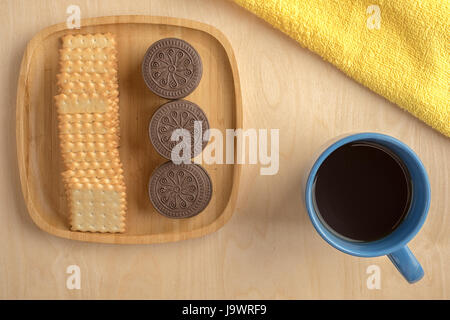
(39, 157)
(269, 248)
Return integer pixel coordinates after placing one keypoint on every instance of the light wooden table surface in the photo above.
(269, 248)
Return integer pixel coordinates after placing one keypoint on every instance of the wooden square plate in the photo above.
(40, 163)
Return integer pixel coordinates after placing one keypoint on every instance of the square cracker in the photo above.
(105, 164)
(109, 89)
(85, 103)
(80, 66)
(88, 54)
(107, 117)
(98, 40)
(64, 77)
(93, 146)
(85, 128)
(91, 156)
(97, 210)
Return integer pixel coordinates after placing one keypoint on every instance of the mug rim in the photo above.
(323, 230)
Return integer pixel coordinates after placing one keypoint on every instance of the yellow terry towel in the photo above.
(397, 48)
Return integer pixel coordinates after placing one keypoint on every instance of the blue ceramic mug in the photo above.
(393, 245)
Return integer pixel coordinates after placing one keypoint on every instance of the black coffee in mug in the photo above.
(362, 191)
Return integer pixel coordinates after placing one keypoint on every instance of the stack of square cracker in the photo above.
(88, 120)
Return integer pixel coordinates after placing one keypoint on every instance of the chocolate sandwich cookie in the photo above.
(179, 114)
(180, 191)
(172, 68)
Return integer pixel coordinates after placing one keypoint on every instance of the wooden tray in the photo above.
(40, 163)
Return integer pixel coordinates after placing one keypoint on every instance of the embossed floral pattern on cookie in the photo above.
(180, 191)
(172, 68)
(180, 114)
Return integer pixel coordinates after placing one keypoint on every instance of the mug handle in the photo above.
(407, 264)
